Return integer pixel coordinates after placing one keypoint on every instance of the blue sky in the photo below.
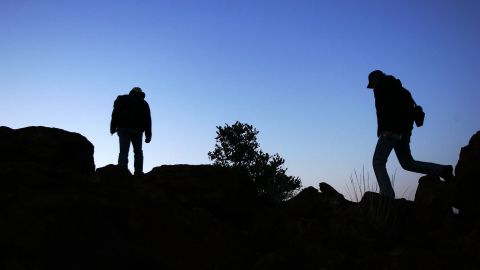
(296, 70)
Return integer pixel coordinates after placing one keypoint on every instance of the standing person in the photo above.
(394, 105)
(130, 118)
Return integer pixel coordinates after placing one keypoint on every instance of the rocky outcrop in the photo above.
(467, 175)
(58, 214)
(434, 200)
(49, 148)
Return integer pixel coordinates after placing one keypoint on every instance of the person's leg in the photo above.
(384, 146)
(124, 141)
(404, 155)
(137, 150)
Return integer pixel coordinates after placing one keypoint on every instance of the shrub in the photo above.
(236, 146)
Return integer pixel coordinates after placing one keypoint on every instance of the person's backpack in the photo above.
(129, 112)
(415, 111)
(121, 109)
(418, 114)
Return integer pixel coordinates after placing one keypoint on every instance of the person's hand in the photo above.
(113, 130)
(147, 140)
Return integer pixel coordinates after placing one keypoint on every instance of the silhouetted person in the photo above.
(394, 105)
(130, 118)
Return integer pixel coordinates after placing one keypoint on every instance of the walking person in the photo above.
(394, 105)
(130, 119)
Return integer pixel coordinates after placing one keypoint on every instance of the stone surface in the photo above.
(50, 148)
(467, 176)
(208, 217)
(433, 202)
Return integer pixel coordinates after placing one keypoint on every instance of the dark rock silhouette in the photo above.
(467, 175)
(433, 202)
(56, 213)
(50, 148)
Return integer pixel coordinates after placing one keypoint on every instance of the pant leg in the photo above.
(136, 138)
(383, 149)
(404, 155)
(124, 141)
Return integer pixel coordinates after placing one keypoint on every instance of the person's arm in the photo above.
(113, 122)
(148, 124)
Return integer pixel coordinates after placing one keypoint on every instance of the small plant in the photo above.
(359, 184)
(383, 213)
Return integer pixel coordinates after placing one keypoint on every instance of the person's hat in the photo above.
(374, 76)
(136, 90)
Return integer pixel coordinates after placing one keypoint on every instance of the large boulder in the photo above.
(187, 216)
(467, 175)
(433, 202)
(224, 189)
(52, 149)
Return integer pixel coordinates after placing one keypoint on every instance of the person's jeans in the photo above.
(127, 136)
(401, 144)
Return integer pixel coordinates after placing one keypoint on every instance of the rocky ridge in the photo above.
(58, 212)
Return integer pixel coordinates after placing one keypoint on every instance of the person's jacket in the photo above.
(132, 111)
(394, 106)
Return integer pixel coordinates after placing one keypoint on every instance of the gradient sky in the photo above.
(296, 70)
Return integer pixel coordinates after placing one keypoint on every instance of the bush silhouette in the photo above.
(236, 146)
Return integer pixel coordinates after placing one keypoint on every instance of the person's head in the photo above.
(137, 91)
(374, 77)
